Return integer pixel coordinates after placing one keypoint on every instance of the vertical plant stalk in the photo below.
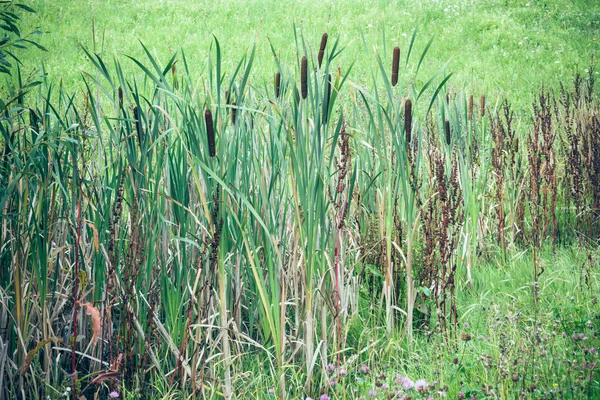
(322, 48)
(395, 65)
(304, 77)
(75, 300)
(233, 112)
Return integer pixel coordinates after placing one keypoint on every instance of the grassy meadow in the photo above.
(218, 200)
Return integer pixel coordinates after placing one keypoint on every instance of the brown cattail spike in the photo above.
(395, 65)
(227, 97)
(408, 120)
(233, 110)
(277, 84)
(210, 132)
(304, 77)
(120, 97)
(322, 48)
(471, 108)
(483, 105)
(447, 132)
(138, 124)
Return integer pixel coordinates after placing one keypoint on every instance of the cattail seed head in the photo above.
(227, 97)
(120, 97)
(483, 105)
(471, 108)
(395, 64)
(210, 132)
(138, 124)
(408, 120)
(174, 75)
(304, 77)
(233, 110)
(277, 83)
(322, 48)
(447, 126)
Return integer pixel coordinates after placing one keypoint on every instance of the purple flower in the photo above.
(466, 324)
(441, 393)
(372, 393)
(407, 383)
(271, 390)
(365, 369)
(421, 386)
(582, 336)
(333, 383)
(330, 367)
(385, 386)
(114, 394)
(324, 397)
(461, 395)
(343, 372)
(592, 350)
(544, 352)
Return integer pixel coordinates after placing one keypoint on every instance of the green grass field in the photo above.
(177, 223)
(504, 48)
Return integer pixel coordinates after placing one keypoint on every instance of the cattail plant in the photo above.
(470, 110)
(233, 111)
(322, 49)
(482, 110)
(210, 132)
(277, 84)
(408, 120)
(395, 65)
(304, 77)
(447, 132)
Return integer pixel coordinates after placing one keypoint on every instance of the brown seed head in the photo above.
(322, 48)
(408, 120)
(138, 124)
(483, 105)
(447, 126)
(210, 132)
(395, 64)
(233, 110)
(471, 108)
(304, 77)
(120, 97)
(277, 83)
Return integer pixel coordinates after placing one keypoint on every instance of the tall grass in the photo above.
(158, 233)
